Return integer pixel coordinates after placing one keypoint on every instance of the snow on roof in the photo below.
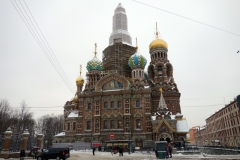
(73, 114)
(182, 126)
(60, 134)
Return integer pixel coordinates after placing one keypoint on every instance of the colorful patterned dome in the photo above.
(137, 60)
(95, 63)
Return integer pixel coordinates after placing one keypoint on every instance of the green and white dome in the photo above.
(95, 63)
(137, 60)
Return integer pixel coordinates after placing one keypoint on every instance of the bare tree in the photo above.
(5, 115)
(50, 125)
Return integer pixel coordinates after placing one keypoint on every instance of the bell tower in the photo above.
(160, 73)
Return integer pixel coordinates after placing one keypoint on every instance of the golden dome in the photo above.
(158, 43)
(75, 99)
(80, 80)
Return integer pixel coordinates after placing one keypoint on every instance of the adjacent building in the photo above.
(223, 127)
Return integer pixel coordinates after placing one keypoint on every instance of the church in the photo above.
(123, 97)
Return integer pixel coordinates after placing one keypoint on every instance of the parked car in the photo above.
(54, 153)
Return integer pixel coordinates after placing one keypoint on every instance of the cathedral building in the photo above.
(123, 97)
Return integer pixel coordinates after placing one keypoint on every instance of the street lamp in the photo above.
(46, 143)
(129, 138)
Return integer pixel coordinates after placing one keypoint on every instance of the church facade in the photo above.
(123, 96)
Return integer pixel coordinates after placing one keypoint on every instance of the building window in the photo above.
(89, 107)
(74, 126)
(119, 124)
(119, 104)
(88, 125)
(112, 104)
(137, 103)
(105, 124)
(105, 105)
(112, 124)
(68, 126)
(138, 124)
(159, 69)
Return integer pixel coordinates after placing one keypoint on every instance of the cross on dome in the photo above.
(95, 52)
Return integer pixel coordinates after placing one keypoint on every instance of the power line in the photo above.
(204, 105)
(52, 59)
(186, 18)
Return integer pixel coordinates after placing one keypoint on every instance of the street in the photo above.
(75, 155)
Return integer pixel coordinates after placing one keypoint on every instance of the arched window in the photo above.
(88, 125)
(119, 104)
(105, 124)
(140, 74)
(137, 103)
(119, 125)
(112, 104)
(68, 126)
(74, 126)
(112, 124)
(89, 106)
(105, 104)
(138, 124)
(133, 74)
(159, 69)
(158, 55)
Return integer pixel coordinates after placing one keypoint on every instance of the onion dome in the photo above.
(80, 79)
(75, 99)
(158, 42)
(95, 63)
(137, 60)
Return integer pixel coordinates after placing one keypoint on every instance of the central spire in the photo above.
(120, 27)
(162, 103)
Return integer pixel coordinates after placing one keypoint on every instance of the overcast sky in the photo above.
(205, 61)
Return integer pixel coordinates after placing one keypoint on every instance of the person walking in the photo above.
(120, 151)
(22, 154)
(170, 150)
(93, 151)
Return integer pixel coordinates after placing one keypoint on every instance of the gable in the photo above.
(165, 126)
(112, 81)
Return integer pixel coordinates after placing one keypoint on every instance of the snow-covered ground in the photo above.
(87, 155)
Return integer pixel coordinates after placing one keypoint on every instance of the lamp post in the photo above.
(129, 138)
(46, 143)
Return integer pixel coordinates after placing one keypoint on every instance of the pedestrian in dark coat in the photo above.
(93, 150)
(22, 154)
(120, 151)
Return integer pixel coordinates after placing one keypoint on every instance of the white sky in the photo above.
(205, 60)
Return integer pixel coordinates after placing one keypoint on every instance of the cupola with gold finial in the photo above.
(80, 80)
(158, 42)
(75, 99)
(95, 63)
